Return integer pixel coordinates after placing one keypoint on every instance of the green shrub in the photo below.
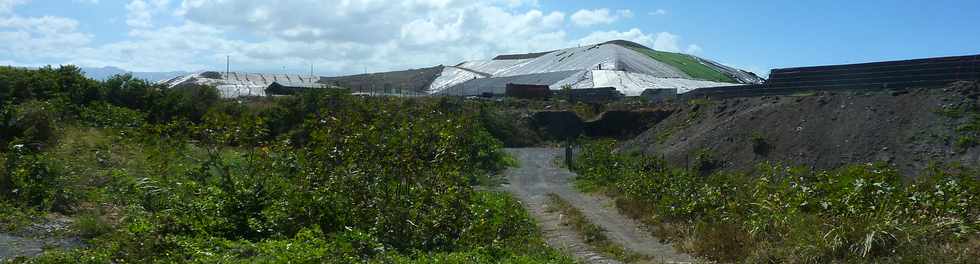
(857, 213)
(185, 102)
(32, 179)
(90, 225)
(31, 123)
(109, 116)
(508, 127)
(180, 175)
(760, 146)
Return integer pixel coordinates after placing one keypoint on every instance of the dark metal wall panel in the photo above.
(931, 72)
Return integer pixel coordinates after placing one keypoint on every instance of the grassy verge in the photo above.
(592, 234)
(863, 213)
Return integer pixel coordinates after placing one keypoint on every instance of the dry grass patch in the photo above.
(592, 234)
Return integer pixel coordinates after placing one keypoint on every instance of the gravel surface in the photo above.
(538, 175)
(12, 247)
(46, 233)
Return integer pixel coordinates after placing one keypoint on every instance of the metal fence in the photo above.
(931, 72)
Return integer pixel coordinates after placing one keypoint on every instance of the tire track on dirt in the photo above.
(537, 176)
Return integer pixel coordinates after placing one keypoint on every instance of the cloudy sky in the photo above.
(350, 36)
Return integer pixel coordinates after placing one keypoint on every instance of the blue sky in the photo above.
(348, 36)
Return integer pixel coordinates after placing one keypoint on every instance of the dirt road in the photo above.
(538, 175)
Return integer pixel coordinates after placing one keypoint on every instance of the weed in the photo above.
(965, 142)
(591, 234)
(969, 129)
(856, 214)
(320, 177)
(760, 146)
(91, 225)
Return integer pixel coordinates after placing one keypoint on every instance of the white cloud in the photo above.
(40, 37)
(634, 35)
(667, 42)
(340, 37)
(140, 13)
(658, 12)
(693, 49)
(625, 13)
(406, 34)
(6, 6)
(587, 17)
(663, 41)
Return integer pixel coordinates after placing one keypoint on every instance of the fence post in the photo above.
(569, 156)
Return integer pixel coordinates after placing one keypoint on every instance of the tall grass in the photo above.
(857, 213)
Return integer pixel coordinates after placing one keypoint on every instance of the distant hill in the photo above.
(107, 72)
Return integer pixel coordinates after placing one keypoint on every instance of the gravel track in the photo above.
(538, 175)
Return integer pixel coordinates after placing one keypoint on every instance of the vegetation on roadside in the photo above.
(863, 213)
(179, 175)
(590, 233)
(968, 129)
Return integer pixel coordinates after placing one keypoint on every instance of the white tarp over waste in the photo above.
(593, 66)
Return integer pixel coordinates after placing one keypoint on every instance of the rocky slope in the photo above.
(908, 129)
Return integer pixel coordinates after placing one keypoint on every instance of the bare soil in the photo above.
(538, 175)
(823, 130)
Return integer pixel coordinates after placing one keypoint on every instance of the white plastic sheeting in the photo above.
(628, 83)
(596, 57)
(451, 76)
(498, 85)
(237, 84)
(492, 67)
(633, 84)
(605, 65)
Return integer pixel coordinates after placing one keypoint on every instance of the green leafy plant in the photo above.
(153, 174)
(760, 146)
(857, 213)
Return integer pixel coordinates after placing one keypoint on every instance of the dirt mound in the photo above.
(619, 124)
(624, 124)
(558, 125)
(907, 129)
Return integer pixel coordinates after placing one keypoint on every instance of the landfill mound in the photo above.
(238, 84)
(908, 129)
(629, 67)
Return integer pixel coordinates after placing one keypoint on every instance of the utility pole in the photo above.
(227, 65)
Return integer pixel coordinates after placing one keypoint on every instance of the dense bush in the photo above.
(106, 115)
(858, 213)
(180, 175)
(395, 175)
(508, 126)
(20, 85)
(31, 123)
(32, 179)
